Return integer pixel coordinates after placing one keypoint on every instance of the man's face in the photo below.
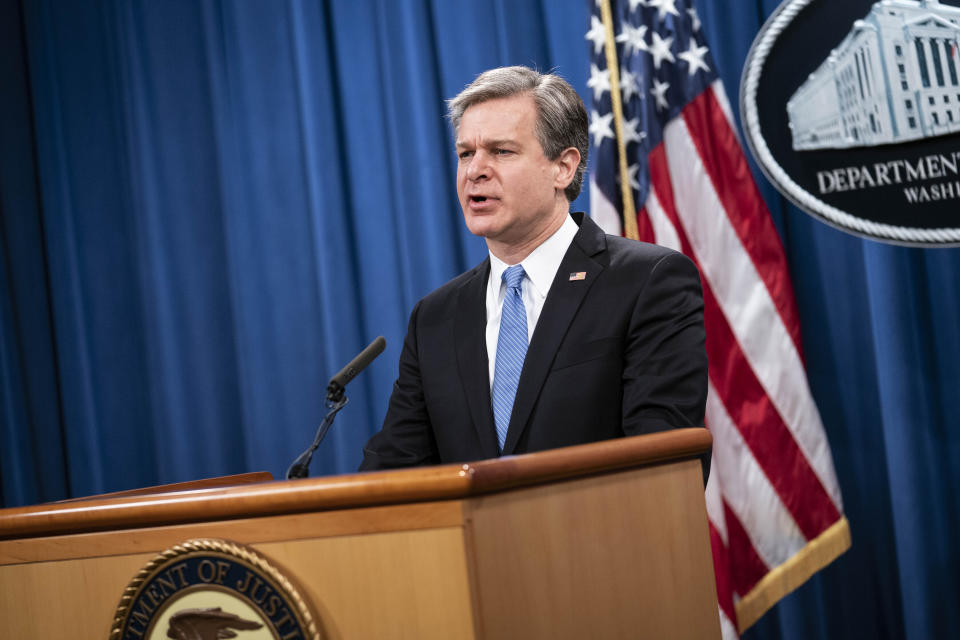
(507, 186)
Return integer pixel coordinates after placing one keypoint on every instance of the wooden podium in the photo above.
(604, 540)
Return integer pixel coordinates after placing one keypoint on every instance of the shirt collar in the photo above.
(542, 263)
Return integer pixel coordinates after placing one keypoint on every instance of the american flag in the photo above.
(661, 123)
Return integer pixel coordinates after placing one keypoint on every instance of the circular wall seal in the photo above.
(207, 589)
(852, 110)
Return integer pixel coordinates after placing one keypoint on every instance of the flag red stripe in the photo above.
(719, 149)
(746, 567)
(721, 571)
(644, 226)
(747, 403)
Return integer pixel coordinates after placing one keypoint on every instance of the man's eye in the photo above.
(463, 155)
(503, 152)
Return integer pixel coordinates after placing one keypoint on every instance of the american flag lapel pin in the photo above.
(578, 275)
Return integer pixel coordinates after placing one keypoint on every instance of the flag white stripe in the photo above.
(603, 212)
(747, 490)
(745, 302)
(664, 232)
(727, 629)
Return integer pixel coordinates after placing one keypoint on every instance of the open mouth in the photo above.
(478, 198)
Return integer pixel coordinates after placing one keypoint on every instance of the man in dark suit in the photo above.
(563, 335)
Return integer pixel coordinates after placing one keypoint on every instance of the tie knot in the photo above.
(513, 276)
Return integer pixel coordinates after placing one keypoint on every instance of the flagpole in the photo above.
(610, 49)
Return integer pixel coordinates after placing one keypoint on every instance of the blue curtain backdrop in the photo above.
(209, 207)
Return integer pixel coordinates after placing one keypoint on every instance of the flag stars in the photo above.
(694, 18)
(597, 34)
(659, 91)
(660, 50)
(634, 39)
(632, 172)
(599, 81)
(600, 127)
(630, 133)
(637, 3)
(628, 84)
(693, 56)
(664, 7)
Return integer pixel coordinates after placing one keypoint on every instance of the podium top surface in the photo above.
(443, 482)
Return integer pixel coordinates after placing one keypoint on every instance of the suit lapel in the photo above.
(469, 334)
(558, 311)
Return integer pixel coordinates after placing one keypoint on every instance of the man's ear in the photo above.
(566, 164)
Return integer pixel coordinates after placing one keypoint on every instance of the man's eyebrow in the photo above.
(489, 143)
(500, 142)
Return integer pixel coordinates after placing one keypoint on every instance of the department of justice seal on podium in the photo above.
(208, 589)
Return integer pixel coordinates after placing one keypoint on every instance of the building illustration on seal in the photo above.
(893, 78)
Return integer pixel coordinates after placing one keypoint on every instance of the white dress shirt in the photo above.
(540, 268)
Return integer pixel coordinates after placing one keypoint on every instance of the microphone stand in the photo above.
(335, 401)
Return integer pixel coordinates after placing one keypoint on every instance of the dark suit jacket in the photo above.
(618, 353)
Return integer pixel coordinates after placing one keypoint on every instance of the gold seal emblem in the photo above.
(208, 589)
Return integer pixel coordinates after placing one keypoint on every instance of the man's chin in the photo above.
(482, 226)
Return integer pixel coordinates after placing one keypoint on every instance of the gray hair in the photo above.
(561, 116)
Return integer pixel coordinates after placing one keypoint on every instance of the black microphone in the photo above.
(358, 364)
(335, 401)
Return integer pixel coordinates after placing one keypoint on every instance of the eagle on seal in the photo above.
(207, 624)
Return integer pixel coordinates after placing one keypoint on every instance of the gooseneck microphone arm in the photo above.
(335, 401)
(301, 466)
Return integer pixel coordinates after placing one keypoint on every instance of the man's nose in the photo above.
(479, 167)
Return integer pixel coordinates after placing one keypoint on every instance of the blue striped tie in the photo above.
(511, 350)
